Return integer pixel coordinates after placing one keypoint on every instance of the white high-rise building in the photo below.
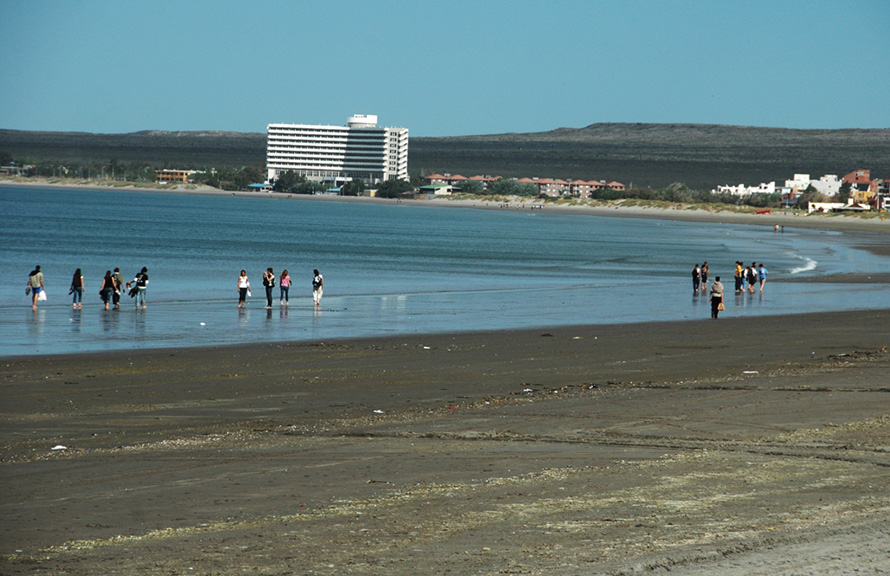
(359, 150)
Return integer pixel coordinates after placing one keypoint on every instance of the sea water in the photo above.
(389, 268)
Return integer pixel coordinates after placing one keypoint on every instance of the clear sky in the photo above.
(442, 67)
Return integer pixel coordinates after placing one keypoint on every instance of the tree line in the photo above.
(234, 179)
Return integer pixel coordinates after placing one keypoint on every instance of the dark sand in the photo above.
(738, 446)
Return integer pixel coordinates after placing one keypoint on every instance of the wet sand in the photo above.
(737, 446)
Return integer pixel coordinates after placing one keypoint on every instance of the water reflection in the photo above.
(74, 320)
(37, 320)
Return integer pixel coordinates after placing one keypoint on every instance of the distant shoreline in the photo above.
(616, 209)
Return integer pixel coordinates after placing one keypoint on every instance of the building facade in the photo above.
(336, 154)
(168, 176)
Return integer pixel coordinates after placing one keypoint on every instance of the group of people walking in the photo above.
(284, 284)
(112, 286)
(746, 278)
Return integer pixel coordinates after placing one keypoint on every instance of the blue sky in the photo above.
(443, 67)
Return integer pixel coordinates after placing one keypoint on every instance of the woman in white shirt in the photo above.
(243, 288)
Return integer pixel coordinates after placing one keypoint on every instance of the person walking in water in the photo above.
(35, 286)
(107, 289)
(77, 290)
(284, 288)
(243, 288)
(761, 276)
(751, 276)
(118, 282)
(140, 283)
(269, 283)
(696, 279)
(704, 276)
(716, 297)
(317, 287)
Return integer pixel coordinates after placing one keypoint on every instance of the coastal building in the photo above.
(432, 190)
(337, 154)
(170, 176)
(799, 183)
(862, 188)
(546, 186)
(828, 185)
(742, 190)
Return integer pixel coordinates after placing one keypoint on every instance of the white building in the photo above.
(359, 150)
(829, 185)
(742, 190)
(799, 183)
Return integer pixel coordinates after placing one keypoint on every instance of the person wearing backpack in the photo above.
(269, 283)
(317, 287)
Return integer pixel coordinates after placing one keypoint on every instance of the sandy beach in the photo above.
(756, 446)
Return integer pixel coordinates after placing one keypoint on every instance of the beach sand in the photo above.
(737, 446)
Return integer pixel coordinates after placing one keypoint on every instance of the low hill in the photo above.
(162, 149)
(652, 155)
(656, 155)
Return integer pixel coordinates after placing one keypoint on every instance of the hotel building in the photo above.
(336, 154)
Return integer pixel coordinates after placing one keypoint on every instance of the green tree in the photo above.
(354, 188)
(288, 181)
(471, 187)
(844, 193)
(393, 188)
(508, 187)
(254, 174)
(308, 187)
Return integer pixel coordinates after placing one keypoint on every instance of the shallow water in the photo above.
(389, 268)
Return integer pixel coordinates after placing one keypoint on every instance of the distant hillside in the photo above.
(643, 154)
(658, 154)
(163, 149)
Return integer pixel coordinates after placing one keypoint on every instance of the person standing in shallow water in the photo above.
(751, 276)
(716, 297)
(317, 287)
(704, 276)
(77, 290)
(107, 289)
(269, 283)
(118, 282)
(35, 285)
(243, 288)
(696, 279)
(284, 288)
(141, 286)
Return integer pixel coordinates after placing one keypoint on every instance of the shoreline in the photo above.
(259, 348)
(622, 447)
(616, 209)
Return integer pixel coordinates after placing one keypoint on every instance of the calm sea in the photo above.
(389, 268)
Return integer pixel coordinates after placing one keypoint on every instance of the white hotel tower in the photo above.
(359, 150)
